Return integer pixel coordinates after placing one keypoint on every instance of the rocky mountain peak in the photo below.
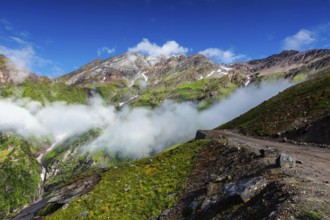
(130, 66)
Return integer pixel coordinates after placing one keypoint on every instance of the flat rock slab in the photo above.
(245, 188)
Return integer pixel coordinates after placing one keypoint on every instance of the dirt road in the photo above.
(316, 161)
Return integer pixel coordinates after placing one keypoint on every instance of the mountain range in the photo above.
(268, 163)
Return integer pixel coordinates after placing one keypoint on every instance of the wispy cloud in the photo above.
(152, 49)
(222, 56)
(6, 24)
(301, 40)
(106, 50)
(23, 54)
(19, 40)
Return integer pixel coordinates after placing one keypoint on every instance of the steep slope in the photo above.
(206, 178)
(20, 175)
(298, 113)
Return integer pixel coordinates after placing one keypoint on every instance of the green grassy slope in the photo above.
(287, 111)
(136, 190)
(19, 172)
(44, 92)
(68, 161)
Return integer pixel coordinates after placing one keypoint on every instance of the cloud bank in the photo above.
(299, 41)
(131, 132)
(152, 49)
(222, 56)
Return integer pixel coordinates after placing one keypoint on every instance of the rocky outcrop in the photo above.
(228, 180)
(59, 198)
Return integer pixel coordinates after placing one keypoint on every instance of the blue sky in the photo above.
(55, 37)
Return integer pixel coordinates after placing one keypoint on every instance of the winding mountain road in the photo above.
(316, 161)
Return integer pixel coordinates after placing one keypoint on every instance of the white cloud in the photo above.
(24, 60)
(300, 40)
(106, 50)
(152, 49)
(134, 132)
(222, 56)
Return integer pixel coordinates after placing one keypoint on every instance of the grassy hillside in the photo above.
(136, 190)
(288, 111)
(68, 161)
(19, 172)
(45, 92)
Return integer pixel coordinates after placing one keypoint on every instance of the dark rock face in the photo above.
(57, 199)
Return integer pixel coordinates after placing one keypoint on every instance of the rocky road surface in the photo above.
(315, 161)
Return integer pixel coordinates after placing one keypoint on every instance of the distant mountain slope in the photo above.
(131, 66)
(300, 112)
(139, 80)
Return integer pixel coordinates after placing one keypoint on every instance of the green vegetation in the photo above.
(3, 60)
(206, 90)
(305, 101)
(312, 215)
(70, 160)
(19, 172)
(45, 92)
(299, 77)
(136, 190)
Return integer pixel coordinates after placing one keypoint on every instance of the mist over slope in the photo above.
(300, 113)
(133, 132)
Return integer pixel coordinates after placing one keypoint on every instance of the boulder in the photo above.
(285, 161)
(200, 135)
(268, 152)
(245, 188)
